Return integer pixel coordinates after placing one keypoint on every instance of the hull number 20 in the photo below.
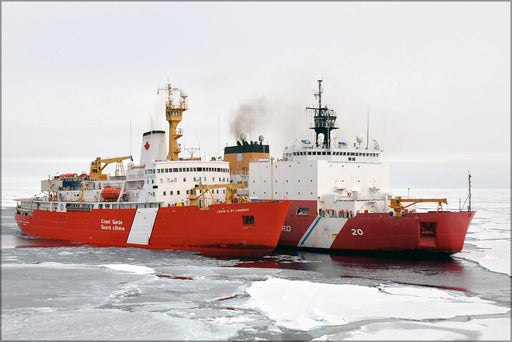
(357, 232)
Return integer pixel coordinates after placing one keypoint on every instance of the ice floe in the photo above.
(130, 268)
(304, 305)
(471, 329)
(493, 255)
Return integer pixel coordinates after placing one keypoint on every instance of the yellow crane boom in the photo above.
(97, 167)
(396, 203)
(206, 189)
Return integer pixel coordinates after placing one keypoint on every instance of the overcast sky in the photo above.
(434, 76)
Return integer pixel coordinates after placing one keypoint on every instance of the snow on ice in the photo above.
(304, 305)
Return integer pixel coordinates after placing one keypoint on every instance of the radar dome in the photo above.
(243, 137)
(183, 94)
(321, 138)
(260, 138)
(359, 138)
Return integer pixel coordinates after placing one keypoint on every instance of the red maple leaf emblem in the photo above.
(146, 146)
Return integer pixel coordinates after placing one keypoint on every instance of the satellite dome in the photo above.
(183, 94)
(359, 138)
(260, 138)
(320, 138)
(243, 137)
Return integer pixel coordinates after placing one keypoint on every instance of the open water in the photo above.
(54, 291)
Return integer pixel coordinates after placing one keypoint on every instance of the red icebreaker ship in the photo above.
(340, 195)
(165, 202)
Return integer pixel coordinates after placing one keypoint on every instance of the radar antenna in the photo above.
(324, 119)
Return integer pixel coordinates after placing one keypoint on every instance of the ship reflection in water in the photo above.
(443, 272)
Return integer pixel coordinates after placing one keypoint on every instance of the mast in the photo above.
(174, 114)
(324, 119)
(469, 191)
(368, 128)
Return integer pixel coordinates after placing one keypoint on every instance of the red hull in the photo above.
(221, 229)
(443, 231)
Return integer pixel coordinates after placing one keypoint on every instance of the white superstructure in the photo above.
(169, 182)
(340, 179)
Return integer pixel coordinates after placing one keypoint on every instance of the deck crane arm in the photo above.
(396, 203)
(230, 193)
(97, 167)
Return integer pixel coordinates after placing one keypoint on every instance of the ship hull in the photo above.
(442, 232)
(230, 229)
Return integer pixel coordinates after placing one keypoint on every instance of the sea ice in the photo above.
(493, 255)
(130, 268)
(472, 329)
(304, 305)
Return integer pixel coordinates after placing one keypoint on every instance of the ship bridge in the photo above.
(341, 153)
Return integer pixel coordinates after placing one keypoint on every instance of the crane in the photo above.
(396, 203)
(230, 193)
(97, 168)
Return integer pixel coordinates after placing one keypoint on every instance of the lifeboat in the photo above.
(110, 193)
(68, 175)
